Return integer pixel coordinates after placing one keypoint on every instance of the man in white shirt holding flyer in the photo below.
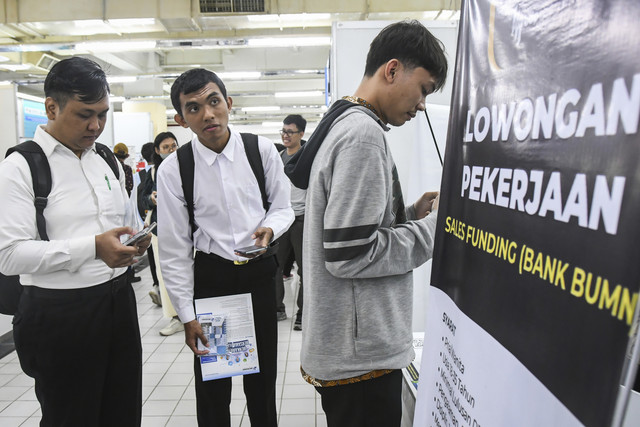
(229, 212)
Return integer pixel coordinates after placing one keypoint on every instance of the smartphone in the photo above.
(250, 251)
(140, 235)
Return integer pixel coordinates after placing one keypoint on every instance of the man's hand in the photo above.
(143, 244)
(193, 331)
(263, 236)
(110, 250)
(425, 204)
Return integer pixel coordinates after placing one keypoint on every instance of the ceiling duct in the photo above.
(46, 62)
(231, 6)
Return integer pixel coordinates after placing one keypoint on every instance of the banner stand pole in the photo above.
(629, 371)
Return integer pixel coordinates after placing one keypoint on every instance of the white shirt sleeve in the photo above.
(175, 245)
(20, 251)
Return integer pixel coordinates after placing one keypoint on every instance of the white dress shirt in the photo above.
(227, 209)
(86, 199)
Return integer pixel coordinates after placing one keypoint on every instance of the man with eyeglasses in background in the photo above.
(292, 132)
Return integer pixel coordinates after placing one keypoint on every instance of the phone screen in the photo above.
(139, 235)
(250, 250)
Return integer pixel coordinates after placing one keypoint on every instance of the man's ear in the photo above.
(180, 120)
(50, 107)
(390, 70)
(229, 103)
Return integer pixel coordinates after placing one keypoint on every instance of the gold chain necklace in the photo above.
(362, 102)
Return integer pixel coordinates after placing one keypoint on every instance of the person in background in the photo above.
(229, 213)
(122, 152)
(361, 243)
(292, 133)
(76, 330)
(164, 144)
(147, 152)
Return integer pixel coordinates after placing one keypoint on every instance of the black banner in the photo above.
(538, 224)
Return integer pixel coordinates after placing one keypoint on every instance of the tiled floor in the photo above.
(168, 392)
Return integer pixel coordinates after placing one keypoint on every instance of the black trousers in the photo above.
(214, 277)
(370, 403)
(290, 240)
(82, 347)
(152, 265)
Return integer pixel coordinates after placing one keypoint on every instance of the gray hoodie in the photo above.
(357, 263)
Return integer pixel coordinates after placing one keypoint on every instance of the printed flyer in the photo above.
(227, 322)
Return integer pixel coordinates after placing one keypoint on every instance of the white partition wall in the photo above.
(132, 129)
(8, 118)
(412, 145)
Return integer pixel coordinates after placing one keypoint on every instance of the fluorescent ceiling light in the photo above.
(134, 22)
(289, 41)
(15, 67)
(448, 15)
(258, 109)
(29, 97)
(271, 124)
(306, 17)
(290, 17)
(239, 75)
(116, 46)
(4, 59)
(430, 14)
(121, 79)
(88, 23)
(300, 94)
(262, 18)
(117, 99)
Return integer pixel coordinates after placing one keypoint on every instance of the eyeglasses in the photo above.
(288, 132)
(170, 148)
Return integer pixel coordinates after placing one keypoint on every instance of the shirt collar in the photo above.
(210, 156)
(49, 143)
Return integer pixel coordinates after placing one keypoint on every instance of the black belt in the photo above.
(100, 289)
(271, 251)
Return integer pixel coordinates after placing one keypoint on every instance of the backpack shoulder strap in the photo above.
(108, 157)
(255, 160)
(187, 166)
(41, 177)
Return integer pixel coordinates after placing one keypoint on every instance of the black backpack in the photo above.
(187, 166)
(10, 287)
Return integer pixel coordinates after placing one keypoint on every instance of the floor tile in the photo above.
(168, 379)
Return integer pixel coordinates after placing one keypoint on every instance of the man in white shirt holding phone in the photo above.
(76, 328)
(229, 214)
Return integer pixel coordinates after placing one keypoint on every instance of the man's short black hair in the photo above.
(147, 152)
(192, 80)
(297, 120)
(413, 45)
(79, 77)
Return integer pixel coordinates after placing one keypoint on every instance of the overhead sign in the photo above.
(535, 271)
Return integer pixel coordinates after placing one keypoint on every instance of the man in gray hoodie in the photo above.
(360, 242)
